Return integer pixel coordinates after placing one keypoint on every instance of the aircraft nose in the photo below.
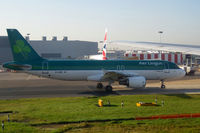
(182, 72)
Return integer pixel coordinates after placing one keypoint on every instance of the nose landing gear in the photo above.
(162, 84)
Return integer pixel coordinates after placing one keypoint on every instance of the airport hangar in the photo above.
(52, 49)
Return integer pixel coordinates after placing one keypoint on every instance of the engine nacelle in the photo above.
(134, 82)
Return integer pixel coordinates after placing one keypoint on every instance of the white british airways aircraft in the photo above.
(103, 55)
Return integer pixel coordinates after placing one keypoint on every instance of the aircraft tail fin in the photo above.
(21, 49)
(104, 46)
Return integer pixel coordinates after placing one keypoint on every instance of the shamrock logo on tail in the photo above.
(20, 47)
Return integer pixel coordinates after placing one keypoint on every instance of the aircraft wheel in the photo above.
(99, 85)
(109, 88)
(163, 86)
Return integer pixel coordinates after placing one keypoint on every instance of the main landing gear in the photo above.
(108, 88)
(162, 84)
(99, 85)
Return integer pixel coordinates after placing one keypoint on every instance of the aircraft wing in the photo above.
(116, 75)
(129, 45)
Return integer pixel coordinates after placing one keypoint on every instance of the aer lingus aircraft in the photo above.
(132, 73)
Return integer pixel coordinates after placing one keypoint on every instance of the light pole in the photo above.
(160, 32)
(28, 37)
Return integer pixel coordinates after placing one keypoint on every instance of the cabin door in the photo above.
(166, 68)
(45, 68)
(120, 67)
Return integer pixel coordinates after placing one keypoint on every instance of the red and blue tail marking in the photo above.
(104, 46)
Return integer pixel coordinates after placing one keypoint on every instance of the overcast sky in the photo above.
(133, 20)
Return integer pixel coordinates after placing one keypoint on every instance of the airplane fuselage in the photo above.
(83, 69)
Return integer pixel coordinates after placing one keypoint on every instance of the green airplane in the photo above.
(132, 73)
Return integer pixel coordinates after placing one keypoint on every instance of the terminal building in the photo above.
(52, 49)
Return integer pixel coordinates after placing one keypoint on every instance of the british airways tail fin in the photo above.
(21, 49)
(104, 46)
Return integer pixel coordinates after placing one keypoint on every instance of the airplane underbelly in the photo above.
(65, 75)
(83, 75)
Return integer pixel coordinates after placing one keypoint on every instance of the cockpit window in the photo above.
(173, 66)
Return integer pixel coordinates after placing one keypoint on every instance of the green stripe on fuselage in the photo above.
(101, 65)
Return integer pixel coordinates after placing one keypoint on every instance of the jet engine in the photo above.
(134, 82)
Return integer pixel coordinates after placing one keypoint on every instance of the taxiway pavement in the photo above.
(19, 85)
